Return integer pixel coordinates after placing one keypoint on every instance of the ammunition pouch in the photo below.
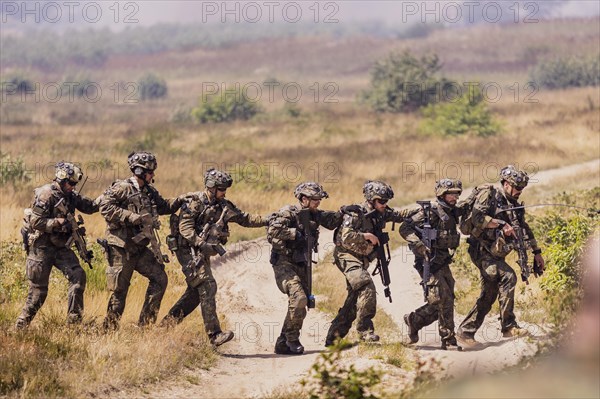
(447, 239)
(500, 248)
(172, 243)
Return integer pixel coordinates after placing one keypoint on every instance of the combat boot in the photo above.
(451, 343)
(21, 324)
(219, 338)
(295, 347)
(466, 339)
(280, 347)
(515, 331)
(413, 333)
(369, 337)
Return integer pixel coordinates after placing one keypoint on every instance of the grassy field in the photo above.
(338, 144)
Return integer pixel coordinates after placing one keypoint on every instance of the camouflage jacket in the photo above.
(445, 220)
(198, 211)
(124, 198)
(44, 228)
(488, 205)
(284, 228)
(359, 219)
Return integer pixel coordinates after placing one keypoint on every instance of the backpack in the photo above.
(466, 223)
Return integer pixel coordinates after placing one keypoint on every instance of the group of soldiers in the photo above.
(199, 230)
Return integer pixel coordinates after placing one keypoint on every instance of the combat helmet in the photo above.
(514, 177)
(67, 171)
(375, 189)
(448, 186)
(311, 190)
(142, 159)
(217, 178)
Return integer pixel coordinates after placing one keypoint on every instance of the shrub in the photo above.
(402, 82)
(151, 86)
(467, 115)
(330, 380)
(12, 170)
(565, 232)
(16, 83)
(225, 107)
(561, 73)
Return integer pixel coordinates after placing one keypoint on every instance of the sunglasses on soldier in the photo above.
(381, 201)
(222, 189)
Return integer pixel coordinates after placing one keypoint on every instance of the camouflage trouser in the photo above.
(202, 291)
(39, 265)
(122, 264)
(498, 280)
(440, 304)
(361, 301)
(290, 280)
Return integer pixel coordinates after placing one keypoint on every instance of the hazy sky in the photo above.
(125, 13)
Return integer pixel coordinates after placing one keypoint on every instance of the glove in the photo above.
(299, 235)
(135, 219)
(62, 225)
(421, 249)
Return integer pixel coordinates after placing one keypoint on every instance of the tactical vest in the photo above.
(359, 223)
(447, 235)
(288, 218)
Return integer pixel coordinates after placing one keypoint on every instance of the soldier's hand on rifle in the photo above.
(508, 230)
(135, 219)
(421, 249)
(62, 225)
(372, 238)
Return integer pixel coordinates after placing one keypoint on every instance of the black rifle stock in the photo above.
(428, 237)
(383, 252)
(311, 246)
(77, 233)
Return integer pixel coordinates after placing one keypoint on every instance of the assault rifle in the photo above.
(428, 236)
(77, 233)
(519, 243)
(311, 246)
(149, 226)
(210, 236)
(383, 252)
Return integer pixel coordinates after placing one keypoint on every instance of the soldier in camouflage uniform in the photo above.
(195, 242)
(444, 218)
(354, 251)
(123, 205)
(288, 257)
(498, 279)
(47, 233)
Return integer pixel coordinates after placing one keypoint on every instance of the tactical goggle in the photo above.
(450, 183)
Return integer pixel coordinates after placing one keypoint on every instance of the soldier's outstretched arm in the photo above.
(279, 227)
(86, 205)
(245, 219)
(407, 228)
(169, 205)
(331, 220)
(397, 215)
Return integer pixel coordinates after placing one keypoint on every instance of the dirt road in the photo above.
(255, 309)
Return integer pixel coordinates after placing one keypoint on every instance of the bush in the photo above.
(77, 86)
(403, 83)
(330, 380)
(12, 171)
(17, 83)
(565, 232)
(467, 115)
(151, 86)
(225, 108)
(567, 72)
